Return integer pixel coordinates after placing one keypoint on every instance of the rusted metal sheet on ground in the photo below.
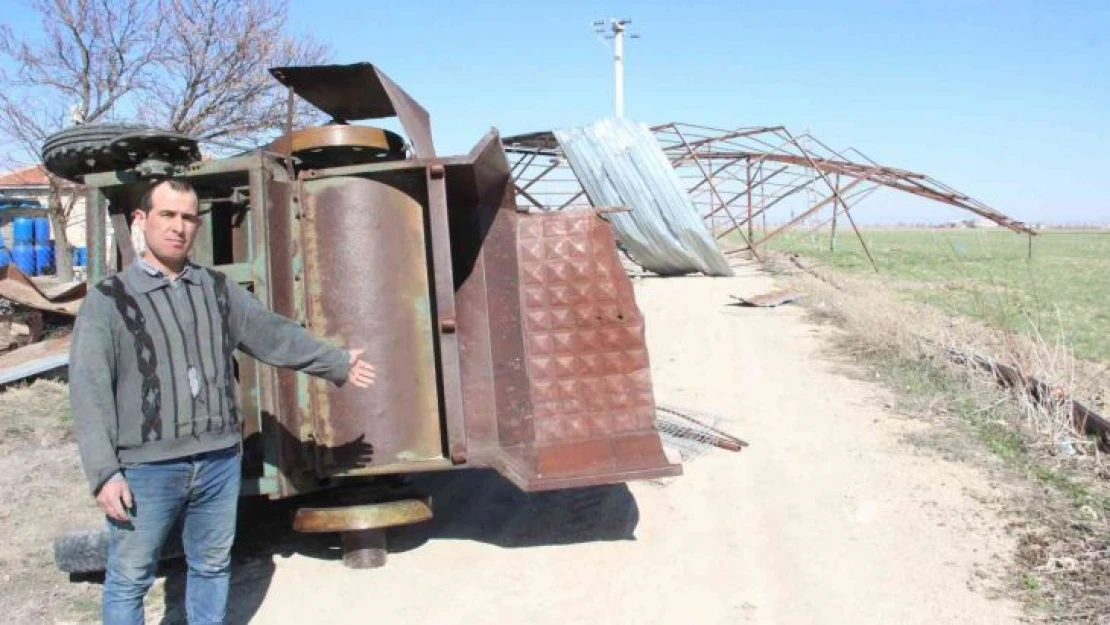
(34, 359)
(367, 286)
(768, 300)
(62, 298)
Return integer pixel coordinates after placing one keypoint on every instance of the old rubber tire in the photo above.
(81, 150)
(86, 550)
(81, 551)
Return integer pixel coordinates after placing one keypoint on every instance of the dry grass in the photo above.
(45, 494)
(38, 412)
(1062, 520)
(888, 323)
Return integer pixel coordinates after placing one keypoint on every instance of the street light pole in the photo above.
(618, 67)
(614, 29)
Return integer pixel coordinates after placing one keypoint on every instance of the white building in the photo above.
(32, 182)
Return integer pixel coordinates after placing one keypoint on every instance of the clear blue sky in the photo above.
(1006, 101)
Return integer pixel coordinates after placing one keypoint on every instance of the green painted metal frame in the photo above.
(257, 396)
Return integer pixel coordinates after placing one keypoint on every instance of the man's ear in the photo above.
(138, 237)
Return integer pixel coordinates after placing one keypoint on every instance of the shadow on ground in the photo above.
(475, 505)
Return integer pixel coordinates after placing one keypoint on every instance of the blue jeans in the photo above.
(201, 491)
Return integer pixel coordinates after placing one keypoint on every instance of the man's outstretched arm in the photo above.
(278, 341)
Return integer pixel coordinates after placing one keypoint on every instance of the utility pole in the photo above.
(614, 29)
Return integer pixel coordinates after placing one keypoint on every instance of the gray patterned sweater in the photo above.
(151, 372)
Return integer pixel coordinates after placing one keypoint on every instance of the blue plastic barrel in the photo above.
(42, 229)
(44, 258)
(23, 231)
(23, 256)
(80, 257)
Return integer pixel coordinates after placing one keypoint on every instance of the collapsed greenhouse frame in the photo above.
(735, 178)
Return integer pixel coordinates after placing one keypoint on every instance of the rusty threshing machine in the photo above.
(502, 339)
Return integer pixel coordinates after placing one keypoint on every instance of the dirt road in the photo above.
(830, 516)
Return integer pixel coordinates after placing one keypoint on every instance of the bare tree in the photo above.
(90, 56)
(213, 79)
(193, 66)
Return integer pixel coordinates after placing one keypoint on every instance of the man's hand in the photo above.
(115, 500)
(361, 373)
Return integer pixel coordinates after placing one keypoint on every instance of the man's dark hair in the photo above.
(177, 184)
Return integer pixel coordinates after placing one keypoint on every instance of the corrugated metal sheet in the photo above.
(619, 163)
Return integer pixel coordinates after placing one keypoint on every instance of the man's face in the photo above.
(171, 225)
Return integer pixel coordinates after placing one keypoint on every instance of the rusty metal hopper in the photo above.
(555, 374)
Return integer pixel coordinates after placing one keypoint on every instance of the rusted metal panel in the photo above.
(474, 202)
(367, 286)
(552, 342)
(248, 248)
(497, 224)
(256, 381)
(512, 395)
(446, 318)
(360, 91)
(65, 298)
(283, 429)
(590, 380)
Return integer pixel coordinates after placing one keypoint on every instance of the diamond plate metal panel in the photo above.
(588, 365)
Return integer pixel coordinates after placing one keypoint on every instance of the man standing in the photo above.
(152, 391)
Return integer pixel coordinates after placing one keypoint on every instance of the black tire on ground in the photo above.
(81, 551)
(81, 150)
(86, 550)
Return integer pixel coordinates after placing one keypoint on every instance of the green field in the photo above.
(1063, 290)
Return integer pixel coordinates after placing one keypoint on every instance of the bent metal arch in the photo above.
(737, 177)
